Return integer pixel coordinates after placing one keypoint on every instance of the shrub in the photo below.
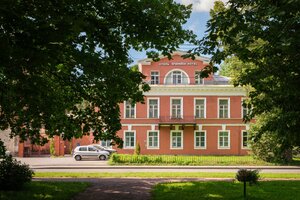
(13, 174)
(137, 149)
(244, 175)
(52, 148)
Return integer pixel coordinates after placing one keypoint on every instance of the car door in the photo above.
(92, 152)
(83, 152)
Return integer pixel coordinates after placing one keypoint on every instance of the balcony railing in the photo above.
(179, 119)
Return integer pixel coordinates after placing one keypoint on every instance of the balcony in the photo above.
(177, 120)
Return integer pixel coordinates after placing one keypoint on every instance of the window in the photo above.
(198, 79)
(200, 108)
(82, 148)
(153, 140)
(129, 109)
(224, 140)
(223, 108)
(153, 108)
(245, 108)
(154, 77)
(245, 138)
(200, 140)
(105, 143)
(129, 140)
(176, 77)
(92, 149)
(176, 140)
(176, 108)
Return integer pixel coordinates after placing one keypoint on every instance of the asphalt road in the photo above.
(68, 164)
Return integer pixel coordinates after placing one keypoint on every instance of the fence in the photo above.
(185, 160)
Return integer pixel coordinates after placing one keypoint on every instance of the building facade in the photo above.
(183, 113)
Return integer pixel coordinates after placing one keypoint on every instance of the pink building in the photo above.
(184, 114)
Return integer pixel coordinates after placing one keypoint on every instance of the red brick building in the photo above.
(182, 114)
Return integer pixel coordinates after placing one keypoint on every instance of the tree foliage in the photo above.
(63, 64)
(2, 149)
(264, 36)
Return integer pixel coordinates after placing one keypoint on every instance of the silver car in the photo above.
(89, 151)
(110, 150)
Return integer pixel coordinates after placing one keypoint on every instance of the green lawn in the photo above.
(272, 190)
(45, 190)
(157, 175)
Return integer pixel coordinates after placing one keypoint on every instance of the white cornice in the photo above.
(195, 90)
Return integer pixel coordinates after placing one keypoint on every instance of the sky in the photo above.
(196, 23)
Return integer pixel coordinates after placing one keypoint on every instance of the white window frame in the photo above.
(125, 111)
(183, 73)
(242, 110)
(148, 137)
(228, 99)
(158, 108)
(205, 142)
(198, 79)
(181, 106)
(242, 139)
(134, 135)
(223, 147)
(195, 99)
(155, 76)
(171, 144)
(106, 143)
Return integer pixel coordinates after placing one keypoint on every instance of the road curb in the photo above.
(165, 167)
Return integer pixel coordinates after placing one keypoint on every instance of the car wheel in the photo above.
(77, 157)
(102, 157)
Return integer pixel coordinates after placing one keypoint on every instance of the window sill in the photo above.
(200, 148)
(223, 148)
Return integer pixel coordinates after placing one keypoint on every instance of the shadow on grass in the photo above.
(45, 190)
(273, 190)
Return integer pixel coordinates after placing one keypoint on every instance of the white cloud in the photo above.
(200, 5)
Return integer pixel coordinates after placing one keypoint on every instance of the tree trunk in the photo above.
(245, 189)
(288, 155)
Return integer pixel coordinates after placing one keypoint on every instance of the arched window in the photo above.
(176, 77)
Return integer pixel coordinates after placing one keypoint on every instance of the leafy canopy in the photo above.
(63, 63)
(263, 38)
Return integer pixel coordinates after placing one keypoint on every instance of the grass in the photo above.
(45, 190)
(124, 159)
(158, 175)
(275, 190)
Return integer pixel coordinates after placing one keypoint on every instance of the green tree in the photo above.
(63, 63)
(2, 149)
(265, 35)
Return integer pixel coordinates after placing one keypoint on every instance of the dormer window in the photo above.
(176, 77)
